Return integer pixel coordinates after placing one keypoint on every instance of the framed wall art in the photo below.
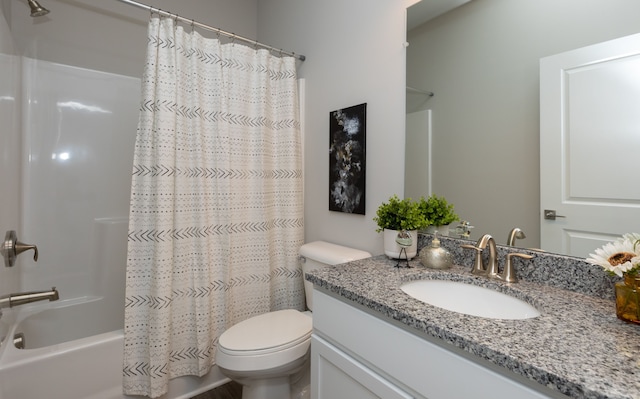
(347, 161)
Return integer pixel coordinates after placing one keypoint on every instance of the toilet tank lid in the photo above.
(331, 254)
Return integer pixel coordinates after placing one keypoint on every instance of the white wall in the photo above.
(355, 55)
(482, 62)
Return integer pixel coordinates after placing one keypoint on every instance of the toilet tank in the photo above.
(317, 254)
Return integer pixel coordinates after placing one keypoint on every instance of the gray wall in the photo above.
(482, 62)
(355, 55)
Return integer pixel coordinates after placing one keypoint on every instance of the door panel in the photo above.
(589, 145)
(337, 375)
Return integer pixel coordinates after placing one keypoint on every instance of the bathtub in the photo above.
(73, 350)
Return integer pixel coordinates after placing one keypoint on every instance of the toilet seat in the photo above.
(266, 341)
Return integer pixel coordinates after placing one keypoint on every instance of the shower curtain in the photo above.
(216, 217)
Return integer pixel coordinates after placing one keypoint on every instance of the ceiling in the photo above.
(425, 10)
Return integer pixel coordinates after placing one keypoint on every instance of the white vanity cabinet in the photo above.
(355, 355)
(339, 375)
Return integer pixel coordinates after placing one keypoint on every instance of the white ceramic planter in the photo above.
(392, 249)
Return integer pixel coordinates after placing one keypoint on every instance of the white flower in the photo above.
(635, 239)
(618, 257)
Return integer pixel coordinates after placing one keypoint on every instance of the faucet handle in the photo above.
(509, 273)
(11, 248)
(21, 247)
(478, 266)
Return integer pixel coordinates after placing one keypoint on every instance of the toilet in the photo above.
(268, 354)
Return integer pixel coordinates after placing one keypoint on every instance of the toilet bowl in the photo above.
(268, 354)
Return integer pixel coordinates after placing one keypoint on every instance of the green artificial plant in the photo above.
(437, 210)
(399, 215)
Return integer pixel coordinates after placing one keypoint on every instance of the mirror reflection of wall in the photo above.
(417, 155)
(482, 62)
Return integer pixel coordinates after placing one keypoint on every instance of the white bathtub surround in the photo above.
(9, 142)
(216, 203)
(78, 134)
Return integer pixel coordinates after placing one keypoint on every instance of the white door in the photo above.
(590, 145)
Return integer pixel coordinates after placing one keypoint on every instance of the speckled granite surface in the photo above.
(576, 346)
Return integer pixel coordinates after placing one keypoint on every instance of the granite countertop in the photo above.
(576, 346)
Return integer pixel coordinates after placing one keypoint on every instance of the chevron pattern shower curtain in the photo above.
(216, 217)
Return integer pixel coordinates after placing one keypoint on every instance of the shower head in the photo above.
(36, 9)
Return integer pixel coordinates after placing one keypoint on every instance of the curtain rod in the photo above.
(210, 28)
(426, 93)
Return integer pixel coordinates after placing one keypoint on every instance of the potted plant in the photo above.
(438, 212)
(399, 215)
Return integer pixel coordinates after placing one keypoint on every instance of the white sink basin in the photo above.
(469, 299)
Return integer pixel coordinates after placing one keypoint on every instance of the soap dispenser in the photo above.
(436, 257)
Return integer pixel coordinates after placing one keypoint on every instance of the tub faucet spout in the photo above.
(11, 300)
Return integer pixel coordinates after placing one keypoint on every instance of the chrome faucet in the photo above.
(11, 300)
(515, 233)
(479, 267)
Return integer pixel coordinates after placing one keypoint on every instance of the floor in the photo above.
(231, 390)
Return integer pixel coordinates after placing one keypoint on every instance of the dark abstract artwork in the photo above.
(347, 159)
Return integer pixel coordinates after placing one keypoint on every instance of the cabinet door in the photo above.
(334, 374)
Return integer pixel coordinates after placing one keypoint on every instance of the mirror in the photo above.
(481, 127)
